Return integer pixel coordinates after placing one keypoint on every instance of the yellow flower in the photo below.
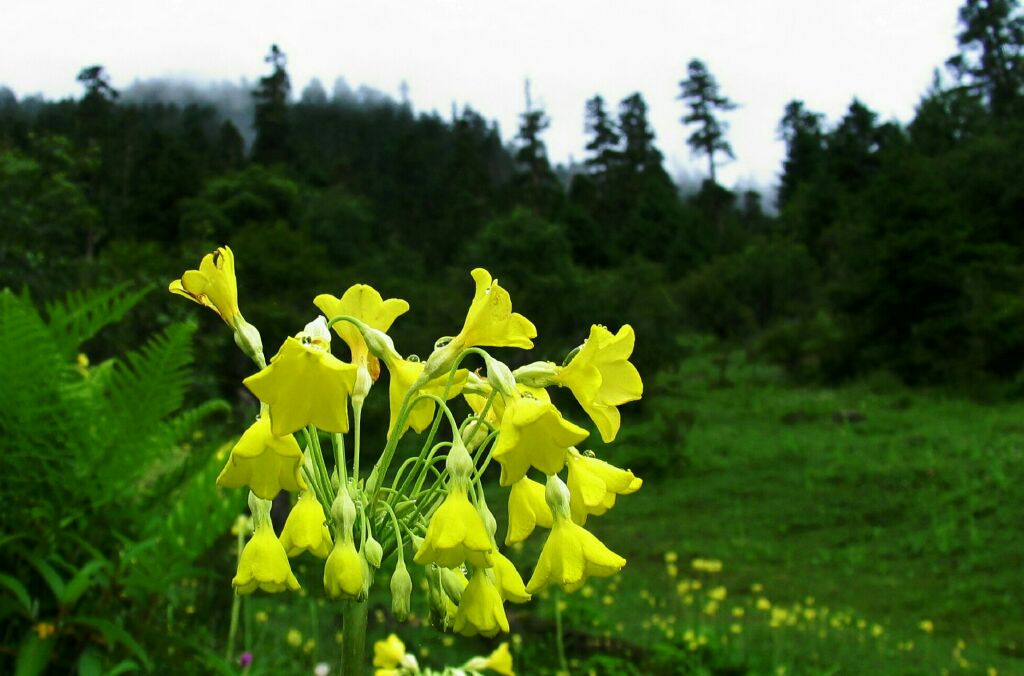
(304, 384)
(927, 626)
(480, 610)
(456, 534)
(533, 433)
(212, 285)
(571, 555)
(404, 374)
(294, 638)
(593, 485)
(499, 661)
(601, 377)
(306, 529)
(509, 582)
(343, 572)
(368, 306)
(389, 653)
(45, 630)
(526, 510)
(490, 320)
(265, 463)
(264, 564)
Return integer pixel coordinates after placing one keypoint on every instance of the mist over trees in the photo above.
(896, 247)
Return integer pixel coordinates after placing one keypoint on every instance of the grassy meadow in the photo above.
(780, 530)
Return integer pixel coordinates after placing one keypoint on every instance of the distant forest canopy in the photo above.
(893, 247)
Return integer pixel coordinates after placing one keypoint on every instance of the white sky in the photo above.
(763, 53)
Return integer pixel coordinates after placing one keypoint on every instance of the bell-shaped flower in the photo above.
(571, 554)
(593, 485)
(404, 374)
(602, 378)
(490, 322)
(306, 528)
(499, 661)
(526, 510)
(264, 563)
(265, 463)
(367, 305)
(343, 572)
(456, 534)
(481, 610)
(533, 434)
(212, 285)
(508, 580)
(304, 384)
(390, 654)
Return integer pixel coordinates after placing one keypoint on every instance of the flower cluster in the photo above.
(430, 505)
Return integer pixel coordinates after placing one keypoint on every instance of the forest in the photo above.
(882, 278)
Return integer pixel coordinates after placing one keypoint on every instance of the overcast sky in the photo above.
(763, 53)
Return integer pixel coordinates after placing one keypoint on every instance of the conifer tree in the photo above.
(535, 178)
(603, 144)
(271, 115)
(991, 57)
(640, 156)
(801, 131)
(700, 93)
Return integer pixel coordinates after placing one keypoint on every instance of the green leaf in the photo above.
(19, 591)
(53, 579)
(80, 583)
(90, 663)
(33, 655)
(114, 634)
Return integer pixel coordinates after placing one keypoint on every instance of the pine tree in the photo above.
(700, 93)
(603, 145)
(271, 115)
(538, 186)
(640, 155)
(991, 56)
(801, 131)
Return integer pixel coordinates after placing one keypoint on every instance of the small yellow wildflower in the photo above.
(480, 610)
(308, 646)
(456, 534)
(261, 616)
(756, 588)
(718, 593)
(601, 377)
(593, 485)
(264, 564)
(343, 572)
(499, 661)
(736, 628)
(877, 630)
(364, 303)
(389, 653)
(927, 626)
(526, 510)
(267, 464)
(294, 638)
(44, 630)
(509, 582)
(304, 385)
(212, 285)
(533, 433)
(306, 529)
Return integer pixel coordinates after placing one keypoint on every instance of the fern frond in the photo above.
(82, 314)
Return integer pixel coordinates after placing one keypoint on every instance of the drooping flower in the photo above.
(306, 529)
(533, 433)
(389, 653)
(571, 554)
(499, 661)
(265, 463)
(212, 285)
(304, 384)
(508, 580)
(264, 563)
(526, 510)
(364, 303)
(343, 572)
(601, 377)
(593, 485)
(456, 534)
(481, 610)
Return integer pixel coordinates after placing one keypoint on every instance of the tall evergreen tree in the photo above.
(801, 131)
(991, 56)
(700, 93)
(537, 182)
(639, 154)
(271, 114)
(603, 144)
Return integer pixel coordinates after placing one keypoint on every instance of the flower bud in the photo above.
(453, 583)
(537, 374)
(489, 521)
(556, 494)
(248, 339)
(459, 462)
(364, 380)
(373, 551)
(500, 377)
(401, 591)
(344, 511)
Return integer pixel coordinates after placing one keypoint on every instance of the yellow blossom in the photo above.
(456, 534)
(306, 528)
(45, 630)
(388, 653)
(533, 433)
(480, 610)
(499, 661)
(571, 554)
(404, 374)
(718, 593)
(926, 626)
(490, 321)
(367, 305)
(304, 384)
(509, 582)
(593, 485)
(212, 285)
(264, 564)
(265, 463)
(343, 572)
(294, 638)
(601, 377)
(526, 510)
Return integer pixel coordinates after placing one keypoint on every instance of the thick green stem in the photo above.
(354, 638)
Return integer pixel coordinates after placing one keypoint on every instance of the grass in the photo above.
(864, 529)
